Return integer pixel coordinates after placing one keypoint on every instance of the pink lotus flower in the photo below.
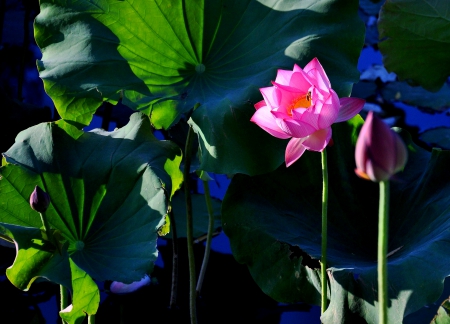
(380, 152)
(302, 106)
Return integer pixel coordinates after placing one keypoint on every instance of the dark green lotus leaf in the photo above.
(437, 137)
(109, 192)
(417, 96)
(415, 40)
(163, 58)
(85, 297)
(274, 225)
(200, 214)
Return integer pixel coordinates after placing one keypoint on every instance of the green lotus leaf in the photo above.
(109, 192)
(85, 297)
(422, 28)
(273, 222)
(162, 58)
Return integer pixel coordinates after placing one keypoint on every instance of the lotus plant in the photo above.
(379, 154)
(302, 106)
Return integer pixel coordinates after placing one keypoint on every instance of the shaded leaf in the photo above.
(163, 58)
(273, 223)
(416, 31)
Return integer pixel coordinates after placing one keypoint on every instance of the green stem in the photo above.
(47, 229)
(209, 236)
(91, 319)
(190, 227)
(64, 299)
(383, 229)
(323, 263)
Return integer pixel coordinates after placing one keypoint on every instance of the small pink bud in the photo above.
(380, 152)
(39, 200)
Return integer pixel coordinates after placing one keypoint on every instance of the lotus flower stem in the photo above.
(209, 235)
(47, 229)
(64, 299)
(323, 263)
(190, 227)
(174, 289)
(383, 225)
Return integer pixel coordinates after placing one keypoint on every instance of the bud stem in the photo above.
(323, 262)
(48, 231)
(46, 227)
(383, 228)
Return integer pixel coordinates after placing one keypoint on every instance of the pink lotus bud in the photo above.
(39, 200)
(380, 152)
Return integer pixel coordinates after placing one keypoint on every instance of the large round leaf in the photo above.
(164, 57)
(415, 40)
(109, 192)
(274, 225)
